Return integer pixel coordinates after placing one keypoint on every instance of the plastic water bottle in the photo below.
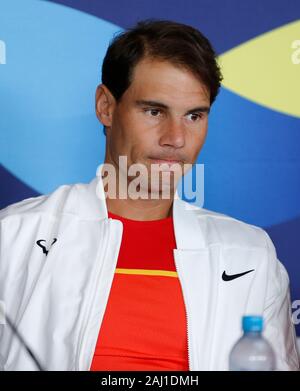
(252, 352)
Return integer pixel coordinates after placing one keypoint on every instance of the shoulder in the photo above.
(219, 228)
(62, 199)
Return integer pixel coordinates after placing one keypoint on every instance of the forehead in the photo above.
(164, 81)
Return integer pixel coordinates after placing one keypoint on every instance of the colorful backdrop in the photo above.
(50, 63)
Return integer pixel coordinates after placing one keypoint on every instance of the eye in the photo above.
(152, 112)
(194, 117)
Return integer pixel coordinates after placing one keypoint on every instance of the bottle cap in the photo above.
(252, 323)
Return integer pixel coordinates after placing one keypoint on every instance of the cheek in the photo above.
(195, 145)
(121, 135)
(128, 139)
(200, 139)
(127, 126)
(139, 150)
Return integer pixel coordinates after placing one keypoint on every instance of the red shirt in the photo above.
(144, 325)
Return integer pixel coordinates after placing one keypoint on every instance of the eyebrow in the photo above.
(152, 103)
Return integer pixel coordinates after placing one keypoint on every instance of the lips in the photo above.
(166, 164)
(166, 161)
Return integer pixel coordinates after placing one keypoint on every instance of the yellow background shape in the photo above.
(266, 69)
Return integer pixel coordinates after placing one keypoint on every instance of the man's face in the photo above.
(163, 115)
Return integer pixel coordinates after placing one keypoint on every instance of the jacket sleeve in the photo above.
(279, 329)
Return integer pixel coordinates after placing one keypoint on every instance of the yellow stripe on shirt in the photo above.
(145, 272)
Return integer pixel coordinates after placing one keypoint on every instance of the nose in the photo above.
(173, 134)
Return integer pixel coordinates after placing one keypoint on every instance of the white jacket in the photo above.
(57, 299)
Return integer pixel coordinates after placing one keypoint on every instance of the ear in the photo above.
(105, 105)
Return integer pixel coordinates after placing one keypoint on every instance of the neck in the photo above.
(143, 210)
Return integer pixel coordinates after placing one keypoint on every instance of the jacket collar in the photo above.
(187, 225)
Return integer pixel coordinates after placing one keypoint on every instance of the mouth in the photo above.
(165, 161)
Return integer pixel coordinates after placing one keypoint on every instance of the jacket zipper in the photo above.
(186, 316)
(100, 255)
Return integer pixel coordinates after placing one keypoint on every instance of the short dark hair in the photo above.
(177, 43)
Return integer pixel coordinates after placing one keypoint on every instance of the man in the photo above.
(115, 275)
